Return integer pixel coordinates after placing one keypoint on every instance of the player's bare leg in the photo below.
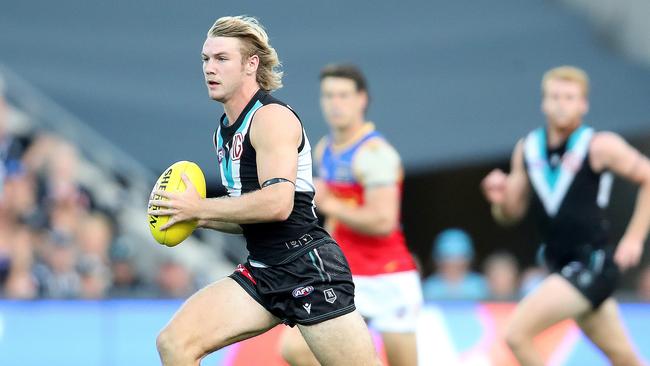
(553, 301)
(218, 315)
(605, 328)
(341, 341)
(294, 349)
(401, 348)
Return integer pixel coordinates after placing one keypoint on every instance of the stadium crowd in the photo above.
(57, 242)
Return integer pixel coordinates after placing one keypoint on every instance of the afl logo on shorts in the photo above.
(302, 291)
(237, 146)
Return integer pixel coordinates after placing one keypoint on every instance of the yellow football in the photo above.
(170, 181)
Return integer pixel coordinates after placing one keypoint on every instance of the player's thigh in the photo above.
(341, 341)
(554, 300)
(604, 327)
(401, 348)
(294, 349)
(218, 315)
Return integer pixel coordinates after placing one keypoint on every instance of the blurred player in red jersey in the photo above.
(359, 191)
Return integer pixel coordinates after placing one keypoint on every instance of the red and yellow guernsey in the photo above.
(339, 169)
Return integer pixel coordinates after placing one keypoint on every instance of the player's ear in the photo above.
(251, 64)
(364, 99)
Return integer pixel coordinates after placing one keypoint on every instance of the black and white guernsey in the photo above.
(273, 242)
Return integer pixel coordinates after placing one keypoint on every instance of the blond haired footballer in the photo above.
(563, 173)
(295, 274)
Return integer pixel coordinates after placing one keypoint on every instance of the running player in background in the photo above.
(569, 167)
(359, 191)
(295, 274)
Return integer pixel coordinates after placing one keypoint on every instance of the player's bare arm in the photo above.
(609, 151)
(224, 227)
(377, 216)
(275, 134)
(379, 213)
(508, 193)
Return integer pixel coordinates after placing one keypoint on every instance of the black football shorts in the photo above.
(311, 289)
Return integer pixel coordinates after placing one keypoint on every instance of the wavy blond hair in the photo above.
(255, 41)
(567, 73)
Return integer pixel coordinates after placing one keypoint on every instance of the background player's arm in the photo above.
(319, 184)
(378, 169)
(608, 151)
(508, 193)
(275, 134)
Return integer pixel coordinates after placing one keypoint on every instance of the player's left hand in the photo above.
(628, 253)
(179, 207)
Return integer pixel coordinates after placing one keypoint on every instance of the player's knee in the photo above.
(516, 338)
(165, 344)
(295, 354)
(623, 358)
(171, 347)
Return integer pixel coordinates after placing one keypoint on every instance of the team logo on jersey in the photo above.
(237, 146)
(330, 295)
(302, 291)
(572, 162)
(307, 307)
(221, 153)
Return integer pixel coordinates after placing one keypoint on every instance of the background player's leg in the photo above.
(605, 328)
(341, 341)
(553, 301)
(216, 316)
(295, 350)
(401, 348)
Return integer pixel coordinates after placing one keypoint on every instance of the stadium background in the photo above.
(453, 85)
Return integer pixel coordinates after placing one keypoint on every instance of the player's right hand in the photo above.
(494, 186)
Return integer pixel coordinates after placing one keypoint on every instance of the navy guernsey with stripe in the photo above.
(272, 242)
(569, 198)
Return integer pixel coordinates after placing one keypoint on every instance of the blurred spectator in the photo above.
(643, 286)
(11, 148)
(531, 278)
(501, 271)
(174, 280)
(453, 252)
(19, 282)
(126, 280)
(94, 236)
(57, 274)
(95, 278)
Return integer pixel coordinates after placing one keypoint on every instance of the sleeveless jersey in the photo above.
(569, 198)
(367, 254)
(272, 242)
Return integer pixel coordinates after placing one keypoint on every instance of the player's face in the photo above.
(222, 66)
(341, 102)
(564, 103)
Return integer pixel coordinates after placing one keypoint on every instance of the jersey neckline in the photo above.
(222, 121)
